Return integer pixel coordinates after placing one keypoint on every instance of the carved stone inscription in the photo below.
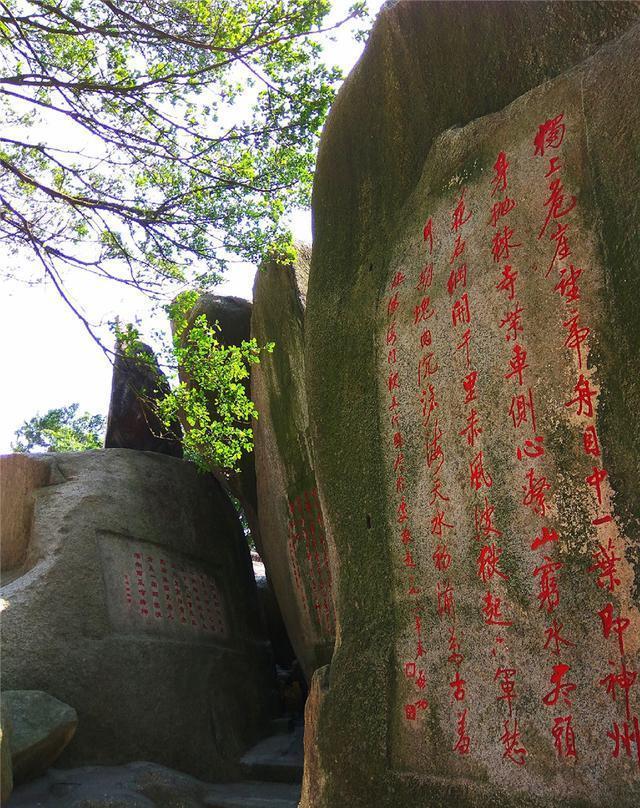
(517, 653)
(152, 590)
(309, 563)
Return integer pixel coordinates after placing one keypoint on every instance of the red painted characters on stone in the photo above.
(550, 135)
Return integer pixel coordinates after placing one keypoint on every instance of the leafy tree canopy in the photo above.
(61, 430)
(146, 140)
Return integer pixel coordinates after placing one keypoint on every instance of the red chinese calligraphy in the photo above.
(595, 480)
(500, 209)
(472, 429)
(625, 737)
(517, 363)
(460, 312)
(505, 676)
(546, 537)
(483, 518)
(502, 244)
(590, 441)
(564, 738)
(499, 181)
(560, 689)
(441, 558)
(423, 311)
(507, 282)
(513, 322)
(555, 204)
(549, 596)
(478, 474)
(576, 336)
(605, 566)
(427, 234)
(562, 248)
(492, 611)
(584, 394)
(513, 748)
(460, 215)
(426, 278)
(445, 596)
(463, 741)
(555, 639)
(550, 135)
(534, 493)
(567, 287)
(457, 686)
(489, 563)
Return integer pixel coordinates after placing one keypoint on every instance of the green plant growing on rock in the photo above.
(210, 396)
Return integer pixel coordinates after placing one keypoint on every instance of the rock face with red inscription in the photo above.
(292, 527)
(137, 605)
(473, 376)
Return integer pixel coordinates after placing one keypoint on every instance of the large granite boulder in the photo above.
(473, 374)
(21, 475)
(139, 608)
(137, 385)
(295, 547)
(233, 316)
(41, 728)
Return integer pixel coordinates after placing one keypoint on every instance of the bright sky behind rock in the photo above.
(49, 360)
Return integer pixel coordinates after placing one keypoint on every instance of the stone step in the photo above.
(277, 759)
(253, 794)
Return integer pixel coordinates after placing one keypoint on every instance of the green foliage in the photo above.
(189, 131)
(211, 398)
(61, 430)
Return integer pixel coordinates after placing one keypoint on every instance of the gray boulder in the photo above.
(138, 607)
(293, 530)
(41, 728)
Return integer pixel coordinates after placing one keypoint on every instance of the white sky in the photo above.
(48, 359)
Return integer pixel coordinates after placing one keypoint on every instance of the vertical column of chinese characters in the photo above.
(564, 276)
(442, 525)
(293, 539)
(324, 570)
(536, 488)
(411, 669)
(503, 240)
(319, 586)
(143, 603)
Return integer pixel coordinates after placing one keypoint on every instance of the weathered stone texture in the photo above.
(6, 769)
(41, 728)
(140, 610)
(133, 423)
(292, 528)
(386, 736)
(20, 476)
